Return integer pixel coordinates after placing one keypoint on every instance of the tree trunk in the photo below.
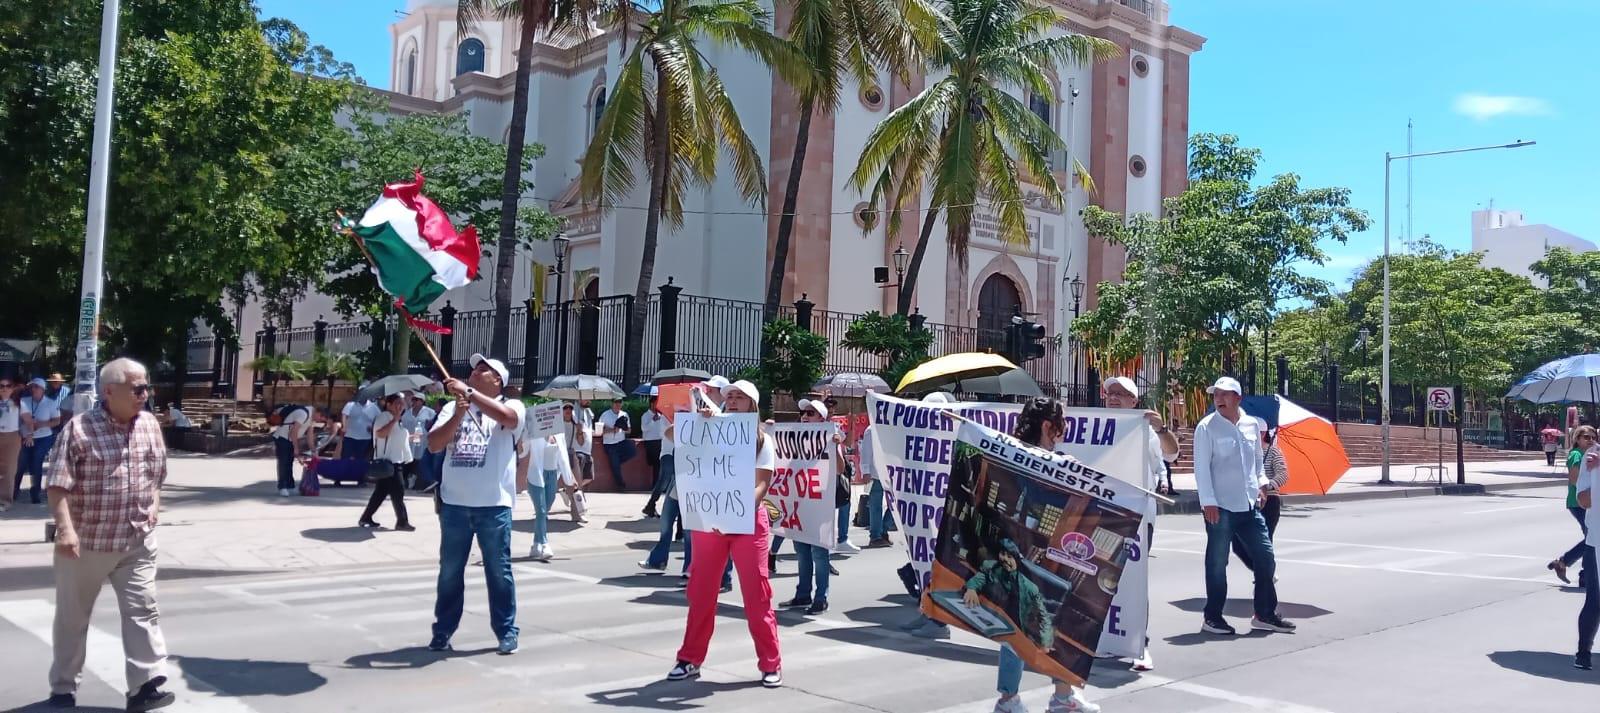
(633, 354)
(505, 268)
(908, 282)
(402, 347)
(791, 195)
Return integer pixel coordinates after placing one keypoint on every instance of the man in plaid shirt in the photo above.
(104, 478)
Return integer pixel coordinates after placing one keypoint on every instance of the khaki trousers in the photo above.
(10, 449)
(78, 583)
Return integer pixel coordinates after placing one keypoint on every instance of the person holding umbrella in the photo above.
(1583, 438)
(1551, 436)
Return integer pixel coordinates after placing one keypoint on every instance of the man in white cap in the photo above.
(1121, 392)
(477, 434)
(1228, 474)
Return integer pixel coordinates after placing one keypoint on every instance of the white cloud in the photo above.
(1488, 106)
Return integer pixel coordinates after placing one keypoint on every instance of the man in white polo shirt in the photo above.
(476, 433)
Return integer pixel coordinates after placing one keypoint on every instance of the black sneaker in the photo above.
(908, 577)
(878, 542)
(150, 696)
(797, 602)
(62, 700)
(508, 645)
(683, 670)
(1581, 661)
(727, 587)
(1218, 626)
(405, 527)
(368, 523)
(440, 643)
(817, 607)
(1272, 623)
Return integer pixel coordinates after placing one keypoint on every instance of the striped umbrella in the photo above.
(1310, 444)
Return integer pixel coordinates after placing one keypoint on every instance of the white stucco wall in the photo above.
(1144, 137)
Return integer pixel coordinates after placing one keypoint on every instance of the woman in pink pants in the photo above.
(749, 552)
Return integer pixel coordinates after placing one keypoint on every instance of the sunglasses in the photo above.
(139, 388)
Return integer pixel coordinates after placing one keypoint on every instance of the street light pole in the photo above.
(86, 368)
(1388, 161)
(562, 242)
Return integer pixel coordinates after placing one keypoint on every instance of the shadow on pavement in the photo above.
(246, 677)
(552, 526)
(666, 695)
(1545, 664)
(1245, 609)
(654, 580)
(1200, 637)
(353, 533)
(43, 706)
(644, 526)
(262, 491)
(882, 638)
(409, 657)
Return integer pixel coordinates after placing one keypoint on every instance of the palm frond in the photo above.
(914, 124)
(748, 172)
(619, 144)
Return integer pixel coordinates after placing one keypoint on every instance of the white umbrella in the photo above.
(581, 387)
(1575, 378)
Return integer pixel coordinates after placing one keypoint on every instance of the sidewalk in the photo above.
(1362, 483)
(224, 514)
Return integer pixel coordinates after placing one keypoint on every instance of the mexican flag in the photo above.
(416, 252)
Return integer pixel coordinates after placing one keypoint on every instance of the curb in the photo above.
(1189, 503)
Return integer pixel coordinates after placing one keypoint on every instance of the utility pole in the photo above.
(86, 370)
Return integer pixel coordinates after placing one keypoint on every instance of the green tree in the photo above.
(791, 358)
(531, 16)
(840, 40)
(900, 345)
(966, 133)
(670, 112)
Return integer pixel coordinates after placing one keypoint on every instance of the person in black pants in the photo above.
(393, 451)
(653, 425)
(1277, 472)
(1589, 616)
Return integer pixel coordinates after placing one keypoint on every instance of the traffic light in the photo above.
(1030, 338)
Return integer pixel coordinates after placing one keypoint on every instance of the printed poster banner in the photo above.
(716, 471)
(913, 444)
(852, 425)
(804, 483)
(545, 419)
(1031, 550)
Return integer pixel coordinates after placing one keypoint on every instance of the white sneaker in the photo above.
(1144, 663)
(1010, 705)
(1073, 703)
(847, 547)
(545, 553)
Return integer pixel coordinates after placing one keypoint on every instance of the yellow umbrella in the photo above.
(951, 368)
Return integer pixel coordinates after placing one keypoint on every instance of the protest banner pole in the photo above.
(1158, 496)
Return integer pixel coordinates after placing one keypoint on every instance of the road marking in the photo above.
(1492, 511)
(1038, 698)
(1384, 568)
(103, 659)
(1417, 550)
(1204, 691)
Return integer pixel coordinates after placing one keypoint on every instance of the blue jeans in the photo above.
(670, 517)
(543, 494)
(877, 512)
(283, 448)
(492, 526)
(1251, 530)
(357, 448)
(1010, 678)
(813, 562)
(32, 462)
(844, 522)
(614, 453)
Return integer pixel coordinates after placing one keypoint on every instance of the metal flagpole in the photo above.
(86, 370)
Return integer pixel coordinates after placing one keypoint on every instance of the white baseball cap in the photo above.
(718, 382)
(655, 391)
(1226, 383)
(939, 397)
(1122, 381)
(742, 386)
(818, 406)
(498, 366)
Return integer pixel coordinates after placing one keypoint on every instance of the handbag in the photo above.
(378, 470)
(841, 496)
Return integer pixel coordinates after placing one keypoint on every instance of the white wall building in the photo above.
(1125, 119)
(1511, 244)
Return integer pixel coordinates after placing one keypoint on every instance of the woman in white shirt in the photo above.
(392, 450)
(548, 467)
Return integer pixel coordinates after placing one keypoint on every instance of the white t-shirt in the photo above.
(580, 433)
(480, 466)
(612, 419)
(864, 447)
(46, 409)
(10, 417)
(397, 447)
(766, 457)
(1590, 481)
(358, 419)
(294, 425)
(652, 425)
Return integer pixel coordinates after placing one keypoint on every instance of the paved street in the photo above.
(1415, 604)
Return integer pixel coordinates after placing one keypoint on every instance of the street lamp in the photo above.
(900, 257)
(562, 243)
(1075, 287)
(1363, 338)
(1388, 160)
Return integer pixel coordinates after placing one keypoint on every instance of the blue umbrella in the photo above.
(1575, 378)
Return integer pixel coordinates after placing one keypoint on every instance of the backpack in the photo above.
(282, 412)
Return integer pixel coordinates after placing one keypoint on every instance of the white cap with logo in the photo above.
(1226, 383)
(498, 366)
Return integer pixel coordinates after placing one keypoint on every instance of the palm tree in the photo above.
(670, 112)
(840, 39)
(967, 135)
(531, 16)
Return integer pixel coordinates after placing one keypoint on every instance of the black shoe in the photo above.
(908, 577)
(727, 587)
(833, 571)
(877, 542)
(368, 523)
(1272, 623)
(1218, 626)
(796, 602)
(440, 643)
(62, 700)
(150, 696)
(1581, 661)
(817, 607)
(772, 564)
(405, 527)
(650, 511)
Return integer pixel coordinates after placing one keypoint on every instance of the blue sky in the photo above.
(1323, 88)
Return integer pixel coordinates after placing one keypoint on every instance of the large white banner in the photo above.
(804, 484)
(913, 443)
(716, 471)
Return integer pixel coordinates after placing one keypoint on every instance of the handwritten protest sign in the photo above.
(544, 419)
(804, 483)
(716, 471)
(1031, 550)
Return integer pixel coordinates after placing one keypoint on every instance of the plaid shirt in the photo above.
(112, 474)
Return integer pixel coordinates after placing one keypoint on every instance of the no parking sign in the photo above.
(1441, 398)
